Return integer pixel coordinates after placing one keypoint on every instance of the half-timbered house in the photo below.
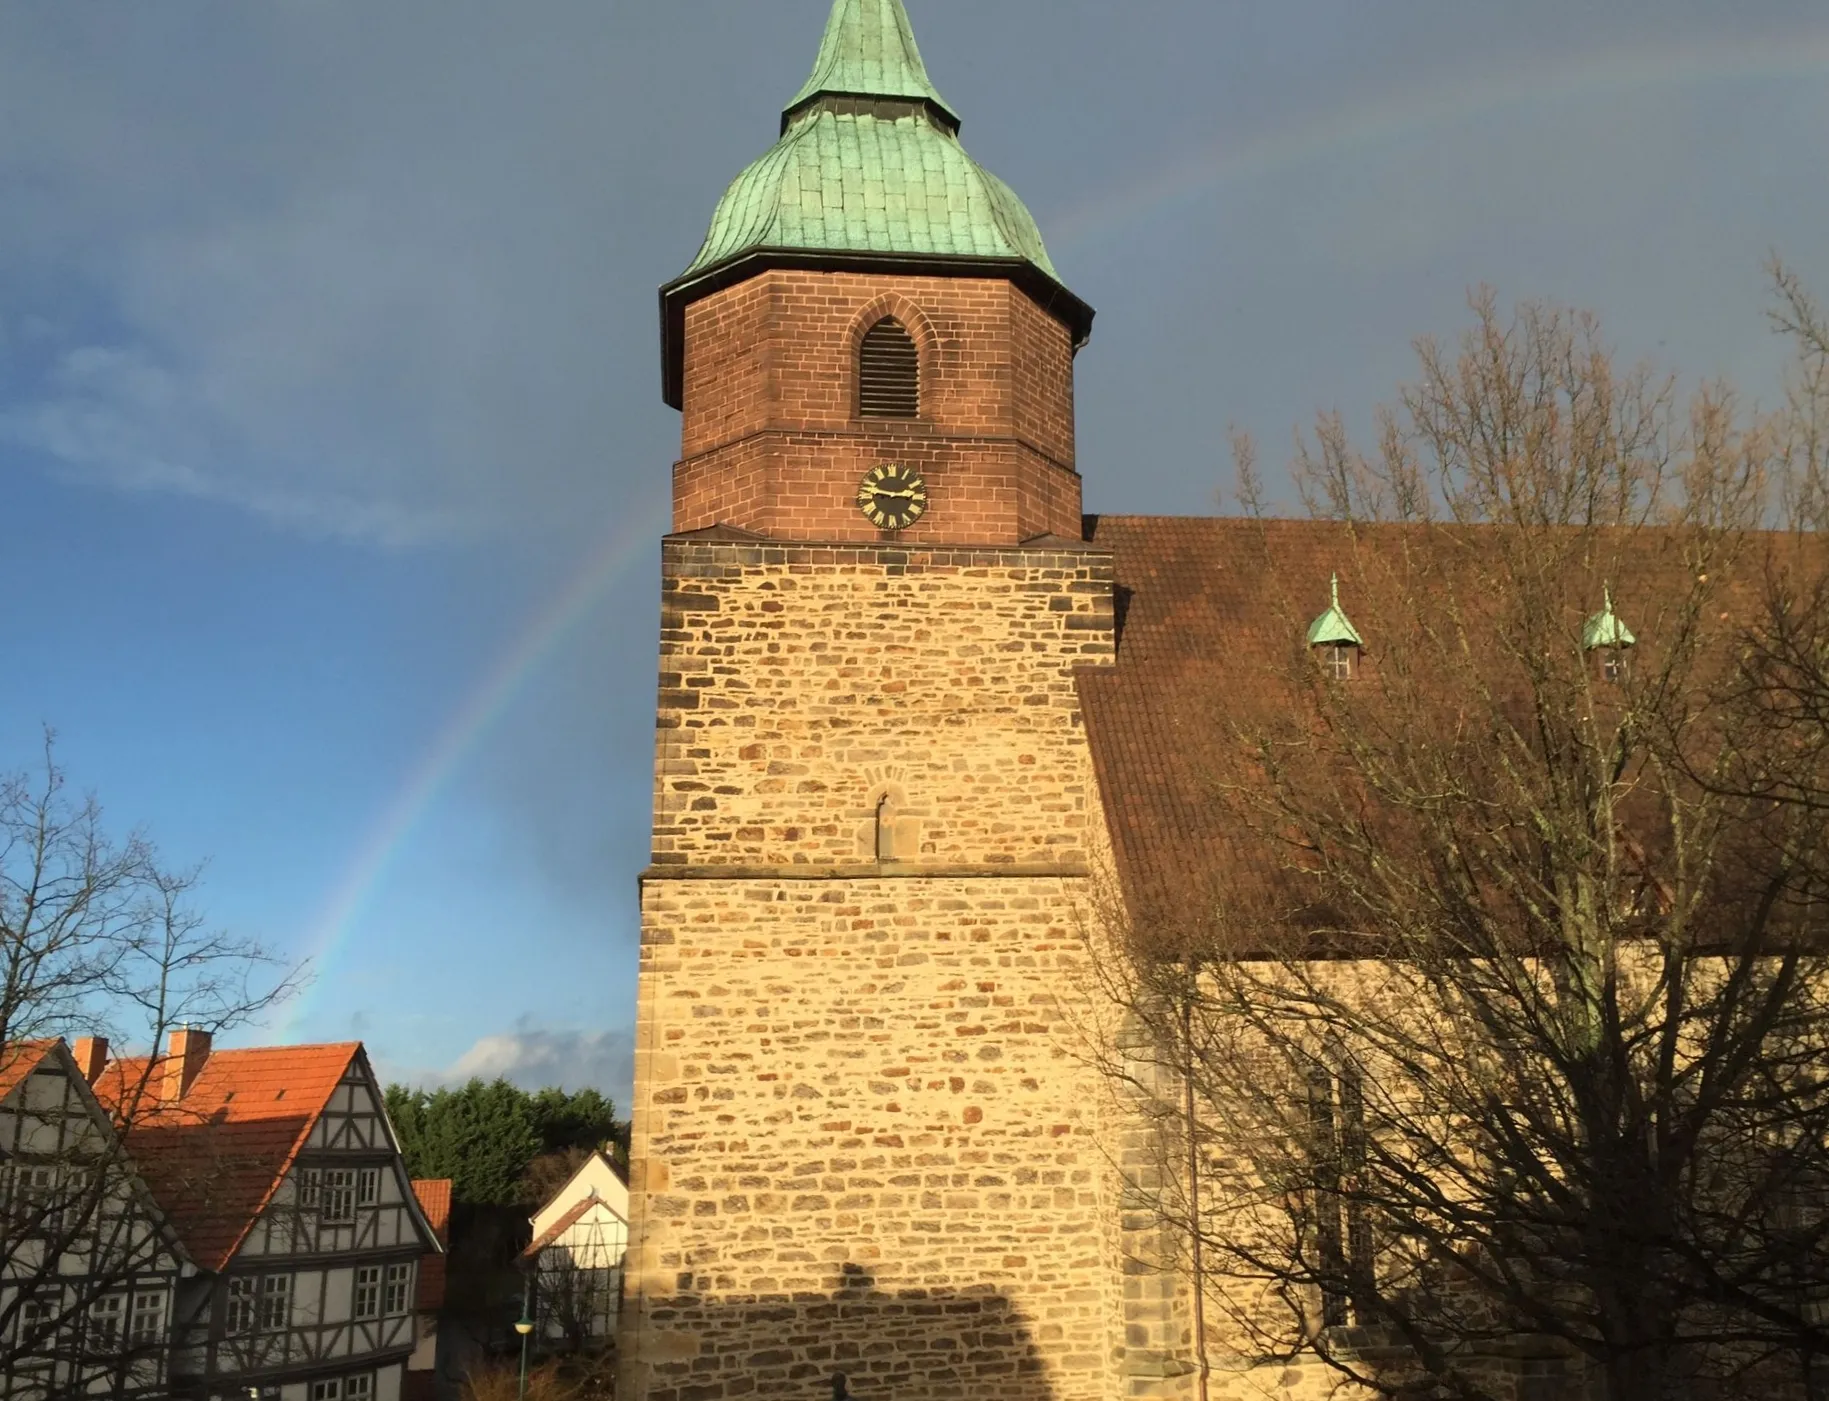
(283, 1177)
(89, 1266)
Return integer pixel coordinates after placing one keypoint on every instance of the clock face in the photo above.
(891, 497)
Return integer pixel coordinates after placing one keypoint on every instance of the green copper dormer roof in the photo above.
(1332, 627)
(869, 50)
(1605, 629)
(868, 176)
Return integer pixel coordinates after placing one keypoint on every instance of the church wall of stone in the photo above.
(868, 1133)
(801, 683)
(869, 1143)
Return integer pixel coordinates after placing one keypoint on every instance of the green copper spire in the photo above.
(1605, 629)
(868, 176)
(869, 50)
(1332, 627)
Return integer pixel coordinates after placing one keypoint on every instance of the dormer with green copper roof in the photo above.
(1604, 631)
(868, 175)
(1333, 628)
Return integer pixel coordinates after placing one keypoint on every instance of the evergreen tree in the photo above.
(481, 1136)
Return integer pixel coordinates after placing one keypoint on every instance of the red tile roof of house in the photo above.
(434, 1196)
(19, 1059)
(214, 1158)
(576, 1213)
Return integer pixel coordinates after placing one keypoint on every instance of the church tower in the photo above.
(864, 1132)
(870, 294)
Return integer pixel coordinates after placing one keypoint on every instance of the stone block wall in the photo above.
(801, 684)
(868, 1135)
(864, 1143)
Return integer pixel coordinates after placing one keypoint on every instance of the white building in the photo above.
(579, 1239)
(89, 1266)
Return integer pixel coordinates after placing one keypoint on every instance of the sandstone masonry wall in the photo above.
(866, 1138)
(800, 683)
(866, 1144)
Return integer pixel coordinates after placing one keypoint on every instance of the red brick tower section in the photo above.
(773, 441)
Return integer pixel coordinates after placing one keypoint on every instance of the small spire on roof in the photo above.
(1333, 628)
(1605, 629)
(869, 50)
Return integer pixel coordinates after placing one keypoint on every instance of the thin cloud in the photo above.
(534, 1059)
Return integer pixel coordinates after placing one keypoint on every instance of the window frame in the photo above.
(107, 1322)
(146, 1318)
(365, 1297)
(275, 1313)
(397, 1291)
(243, 1306)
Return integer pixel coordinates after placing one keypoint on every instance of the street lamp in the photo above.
(524, 1325)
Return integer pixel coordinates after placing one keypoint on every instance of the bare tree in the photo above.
(98, 937)
(1497, 1035)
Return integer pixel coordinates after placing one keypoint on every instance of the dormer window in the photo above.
(888, 372)
(1605, 638)
(1335, 641)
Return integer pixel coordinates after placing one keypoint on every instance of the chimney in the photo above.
(91, 1054)
(184, 1058)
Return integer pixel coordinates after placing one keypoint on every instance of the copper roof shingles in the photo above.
(214, 1158)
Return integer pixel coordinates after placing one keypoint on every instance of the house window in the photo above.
(275, 1301)
(368, 1291)
(242, 1295)
(41, 1197)
(331, 1193)
(148, 1322)
(398, 1278)
(888, 372)
(1613, 665)
(1340, 660)
(35, 1319)
(105, 1322)
(259, 1304)
(368, 1187)
(358, 1388)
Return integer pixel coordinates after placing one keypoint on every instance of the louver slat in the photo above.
(889, 372)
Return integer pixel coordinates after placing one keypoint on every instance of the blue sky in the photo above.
(332, 454)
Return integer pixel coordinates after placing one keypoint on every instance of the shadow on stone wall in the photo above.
(857, 1342)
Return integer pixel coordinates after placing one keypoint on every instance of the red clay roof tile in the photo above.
(214, 1158)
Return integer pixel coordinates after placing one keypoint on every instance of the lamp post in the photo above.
(524, 1326)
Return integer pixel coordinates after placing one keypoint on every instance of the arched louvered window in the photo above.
(888, 372)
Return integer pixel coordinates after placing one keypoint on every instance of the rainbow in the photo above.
(548, 627)
(1618, 71)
